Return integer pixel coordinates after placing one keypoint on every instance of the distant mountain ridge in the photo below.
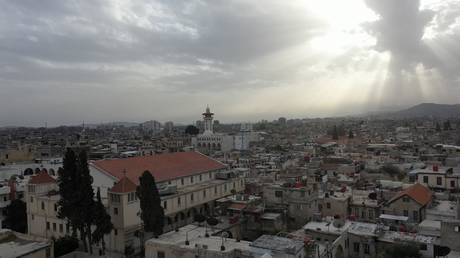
(428, 110)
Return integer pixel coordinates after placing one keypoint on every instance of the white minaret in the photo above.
(207, 119)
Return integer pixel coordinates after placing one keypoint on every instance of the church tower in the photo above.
(207, 118)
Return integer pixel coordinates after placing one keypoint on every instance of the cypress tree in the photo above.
(152, 213)
(86, 201)
(102, 222)
(67, 176)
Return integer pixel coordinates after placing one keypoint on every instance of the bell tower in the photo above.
(207, 118)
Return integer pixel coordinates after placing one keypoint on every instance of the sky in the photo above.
(65, 62)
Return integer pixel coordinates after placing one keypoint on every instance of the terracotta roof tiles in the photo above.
(42, 178)
(163, 167)
(124, 186)
(417, 192)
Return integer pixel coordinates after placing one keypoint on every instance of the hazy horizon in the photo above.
(65, 62)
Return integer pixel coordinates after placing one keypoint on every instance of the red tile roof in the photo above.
(124, 186)
(162, 166)
(417, 192)
(42, 178)
(237, 206)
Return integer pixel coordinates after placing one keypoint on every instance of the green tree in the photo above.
(102, 222)
(335, 133)
(152, 213)
(16, 216)
(65, 245)
(401, 251)
(192, 130)
(77, 196)
(350, 134)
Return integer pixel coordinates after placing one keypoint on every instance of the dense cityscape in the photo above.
(230, 129)
(369, 186)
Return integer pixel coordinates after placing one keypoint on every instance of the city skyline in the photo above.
(63, 63)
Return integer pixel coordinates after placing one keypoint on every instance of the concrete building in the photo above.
(191, 242)
(17, 245)
(411, 202)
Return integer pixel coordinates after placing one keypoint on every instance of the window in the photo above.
(423, 247)
(406, 213)
(204, 193)
(61, 228)
(115, 232)
(225, 187)
(425, 179)
(47, 225)
(115, 211)
(452, 183)
(115, 198)
(191, 197)
(161, 254)
(406, 199)
(366, 248)
(210, 175)
(54, 227)
(215, 189)
(67, 228)
(328, 205)
(182, 181)
(178, 200)
(415, 215)
(33, 217)
(201, 178)
(43, 205)
(191, 179)
(439, 180)
(132, 197)
(457, 228)
(302, 193)
(356, 247)
(279, 194)
(165, 205)
(31, 199)
(55, 207)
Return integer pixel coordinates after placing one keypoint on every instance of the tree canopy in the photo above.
(192, 130)
(152, 213)
(16, 216)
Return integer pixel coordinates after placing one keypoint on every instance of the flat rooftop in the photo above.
(196, 238)
(13, 246)
(276, 243)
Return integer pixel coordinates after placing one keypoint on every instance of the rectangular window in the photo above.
(191, 179)
(415, 214)
(215, 189)
(55, 207)
(366, 248)
(328, 205)
(279, 194)
(356, 247)
(182, 181)
(54, 227)
(191, 197)
(457, 228)
(406, 199)
(61, 228)
(165, 205)
(201, 178)
(423, 247)
(161, 254)
(406, 213)
(178, 200)
(47, 225)
(43, 205)
(452, 183)
(204, 193)
(439, 180)
(210, 175)
(115, 232)
(115, 211)
(425, 179)
(31, 199)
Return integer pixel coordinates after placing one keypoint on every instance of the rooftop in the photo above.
(417, 192)
(276, 243)
(162, 166)
(17, 245)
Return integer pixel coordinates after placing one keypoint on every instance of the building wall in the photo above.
(450, 234)
(399, 206)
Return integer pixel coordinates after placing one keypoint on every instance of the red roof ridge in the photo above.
(42, 178)
(418, 192)
(125, 185)
(163, 167)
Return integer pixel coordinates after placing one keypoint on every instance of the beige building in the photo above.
(188, 182)
(412, 203)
